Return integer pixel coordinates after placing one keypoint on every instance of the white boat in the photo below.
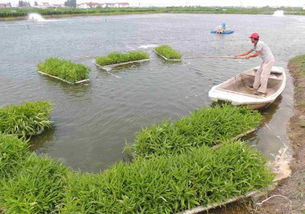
(237, 90)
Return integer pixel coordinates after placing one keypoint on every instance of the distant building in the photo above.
(123, 4)
(57, 6)
(120, 4)
(110, 4)
(83, 6)
(45, 5)
(87, 5)
(5, 5)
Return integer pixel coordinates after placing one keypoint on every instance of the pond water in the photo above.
(92, 123)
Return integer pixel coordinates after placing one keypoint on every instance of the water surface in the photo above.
(92, 123)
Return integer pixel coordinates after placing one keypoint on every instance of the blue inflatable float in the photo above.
(224, 32)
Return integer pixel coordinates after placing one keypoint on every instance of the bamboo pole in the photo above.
(195, 57)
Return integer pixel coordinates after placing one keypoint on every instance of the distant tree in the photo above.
(35, 3)
(70, 3)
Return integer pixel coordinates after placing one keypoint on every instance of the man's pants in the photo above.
(262, 76)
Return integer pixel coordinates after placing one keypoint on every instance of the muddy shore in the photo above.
(289, 196)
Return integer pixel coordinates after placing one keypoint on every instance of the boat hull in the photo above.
(237, 92)
(225, 32)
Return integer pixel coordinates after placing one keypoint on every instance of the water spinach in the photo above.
(25, 120)
(116, 58)
(64, 69)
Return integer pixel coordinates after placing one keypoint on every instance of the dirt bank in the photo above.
(290, 193)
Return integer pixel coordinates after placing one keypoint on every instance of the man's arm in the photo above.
(253, 55)
(243, 54)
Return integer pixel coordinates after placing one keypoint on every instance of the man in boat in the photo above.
(262, 75)
(221, 28)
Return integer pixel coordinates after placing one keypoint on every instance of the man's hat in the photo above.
(254, 36)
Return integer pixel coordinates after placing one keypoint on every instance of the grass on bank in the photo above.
(64, 69)
(168, 52)
(298, 65)
(38, 186)
(206, 126)
(115, 57)
(25, 120)
(23, 12)
(29, 183)
(165, 184)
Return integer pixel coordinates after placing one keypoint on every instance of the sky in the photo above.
(243, 3)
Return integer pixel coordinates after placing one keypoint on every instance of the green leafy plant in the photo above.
(115, 57)
(64, 69)
(38, 186)
(297, 64)
(13, 152)
(207, 126)
(163, 184)
(170, 184)
(25, 120)
(168, 52)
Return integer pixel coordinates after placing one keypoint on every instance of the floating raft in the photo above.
(253, 194)
(66, 81)
(237, 137)
(170, 60)
(225, 32)
(111, 66)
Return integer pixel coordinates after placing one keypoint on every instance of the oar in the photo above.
(195, 57)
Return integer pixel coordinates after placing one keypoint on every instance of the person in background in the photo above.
(262, 75)
(223, 25)
(221, 28)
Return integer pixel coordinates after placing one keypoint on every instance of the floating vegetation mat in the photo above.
(164, 184)
(118, 59)
(25, 120)
(168, 53)
(110, 67)
(64, 70)
(207, 126)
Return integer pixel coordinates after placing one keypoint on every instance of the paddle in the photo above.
(195, 57)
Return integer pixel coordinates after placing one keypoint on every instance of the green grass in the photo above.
(29, 183)
(25, 120)
(64, 69)
(207, 126)
(164, 184)
(18, 12)
(115, 57)
(298, 65)
(301, 104)
(168, 52)
(170, 184)
(13, 151)
(38, 186)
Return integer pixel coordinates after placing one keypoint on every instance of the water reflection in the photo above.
(43, 139)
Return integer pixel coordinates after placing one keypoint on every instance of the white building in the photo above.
(5, 5)
(87, 5)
